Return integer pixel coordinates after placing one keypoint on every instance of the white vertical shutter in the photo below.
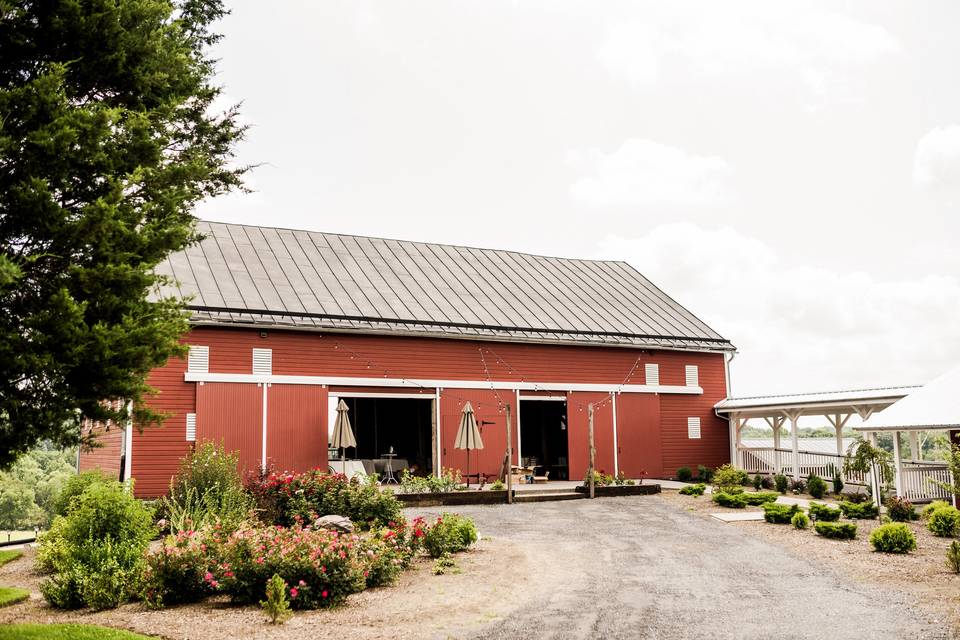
(693, 428)
(198, 360)
(263, 362)
(693, 375)
(191, 427)
(652, 372)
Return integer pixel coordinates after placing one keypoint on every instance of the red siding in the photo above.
(491, 419)
(232, 414)
(638, 434)
(578, 433)
(157, 450)
(297, 427)
(105, 457)
(713, 447)
(237, 414)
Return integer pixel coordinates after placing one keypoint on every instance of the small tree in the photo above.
(953, 463)
(863, 457)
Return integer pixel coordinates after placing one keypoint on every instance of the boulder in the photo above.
(335, 523)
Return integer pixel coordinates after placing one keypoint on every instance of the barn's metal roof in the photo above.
(262, 276)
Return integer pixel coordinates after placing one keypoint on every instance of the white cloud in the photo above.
(648, 173)
(744, 39)
(800, 327)
(936, 161)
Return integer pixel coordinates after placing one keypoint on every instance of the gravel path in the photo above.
(643, 568)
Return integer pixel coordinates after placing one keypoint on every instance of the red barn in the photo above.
(286, 323)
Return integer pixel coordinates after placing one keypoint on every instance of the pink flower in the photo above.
(208, 577)
(324, 593)
(302, 583)
(293, 592)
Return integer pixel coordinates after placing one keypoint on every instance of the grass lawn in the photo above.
(64, 632)
(9, 556)
(12, 595)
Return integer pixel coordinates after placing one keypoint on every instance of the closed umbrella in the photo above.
(468, 435)
(342, 433)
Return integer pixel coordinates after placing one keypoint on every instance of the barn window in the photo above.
(263, 362)
(652, 373)
(693, 428)
(191, 427)
(198, 360)
(693, 376)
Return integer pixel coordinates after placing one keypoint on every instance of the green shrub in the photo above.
(931, 507)
(727, 476)
(693, 489)
(837, 483)
(944, 522)
(286, 499)
(76, 485)
(760, 498)
(449, 480)
(797, 486)
(780, 482)
(207, 488)
(95, 552)
(824, 513)
(861, 511)
(450, 533)
(800, 520)
(444, 562)
(779, 513)
(893, 538)
(730, 500)
(757, 482)
(704, 473)
(276, 606)
(953, 556)
(901, 509)
(497, 485)
(684, 474)
(175, 573)
(816, 487)
(837, 530)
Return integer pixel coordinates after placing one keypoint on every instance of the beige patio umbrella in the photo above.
(468, 435)
(342, 433)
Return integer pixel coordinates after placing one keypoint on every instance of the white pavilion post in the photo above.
(775, 424)
(795, 436)
(898, 463)
(915, 453)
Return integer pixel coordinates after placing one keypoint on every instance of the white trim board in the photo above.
(434, 384)
(545, 398)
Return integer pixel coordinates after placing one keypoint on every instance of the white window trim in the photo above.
(693, 428)
(262, 362)
(198, 359)
(692, 372)
(652, 373)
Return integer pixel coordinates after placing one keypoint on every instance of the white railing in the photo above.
(917, 481)
(773, 461)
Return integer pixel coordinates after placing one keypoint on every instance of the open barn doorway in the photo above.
(543, 437)
(401, 426)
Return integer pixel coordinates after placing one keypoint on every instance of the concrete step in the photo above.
(547, 496)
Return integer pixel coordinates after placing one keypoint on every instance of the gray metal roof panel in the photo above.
(264, 276)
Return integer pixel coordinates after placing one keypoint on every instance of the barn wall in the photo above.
(106, 457)
(157, 450)
(654, 423)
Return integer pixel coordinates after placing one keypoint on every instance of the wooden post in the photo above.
(592, 449)
(509, 460)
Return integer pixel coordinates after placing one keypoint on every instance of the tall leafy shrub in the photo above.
(207, 488)
(95, 552)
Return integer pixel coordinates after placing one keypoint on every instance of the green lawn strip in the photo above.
(12, 595)
(65, 632)
(9, 556)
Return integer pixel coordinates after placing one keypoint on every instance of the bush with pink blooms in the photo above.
(289, 498)
(181, 569)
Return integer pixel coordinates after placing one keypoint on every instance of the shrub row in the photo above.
(693, 489)
(824, 513)
(730, 500)
(779, 513)
(838, 530)
(861, 511)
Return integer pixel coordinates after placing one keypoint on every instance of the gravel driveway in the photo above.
(639, 567)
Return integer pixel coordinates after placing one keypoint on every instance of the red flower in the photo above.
(324, 594)
(293, 592)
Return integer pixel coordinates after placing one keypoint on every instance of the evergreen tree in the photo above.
(108, 138)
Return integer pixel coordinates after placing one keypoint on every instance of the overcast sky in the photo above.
(789, 173)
